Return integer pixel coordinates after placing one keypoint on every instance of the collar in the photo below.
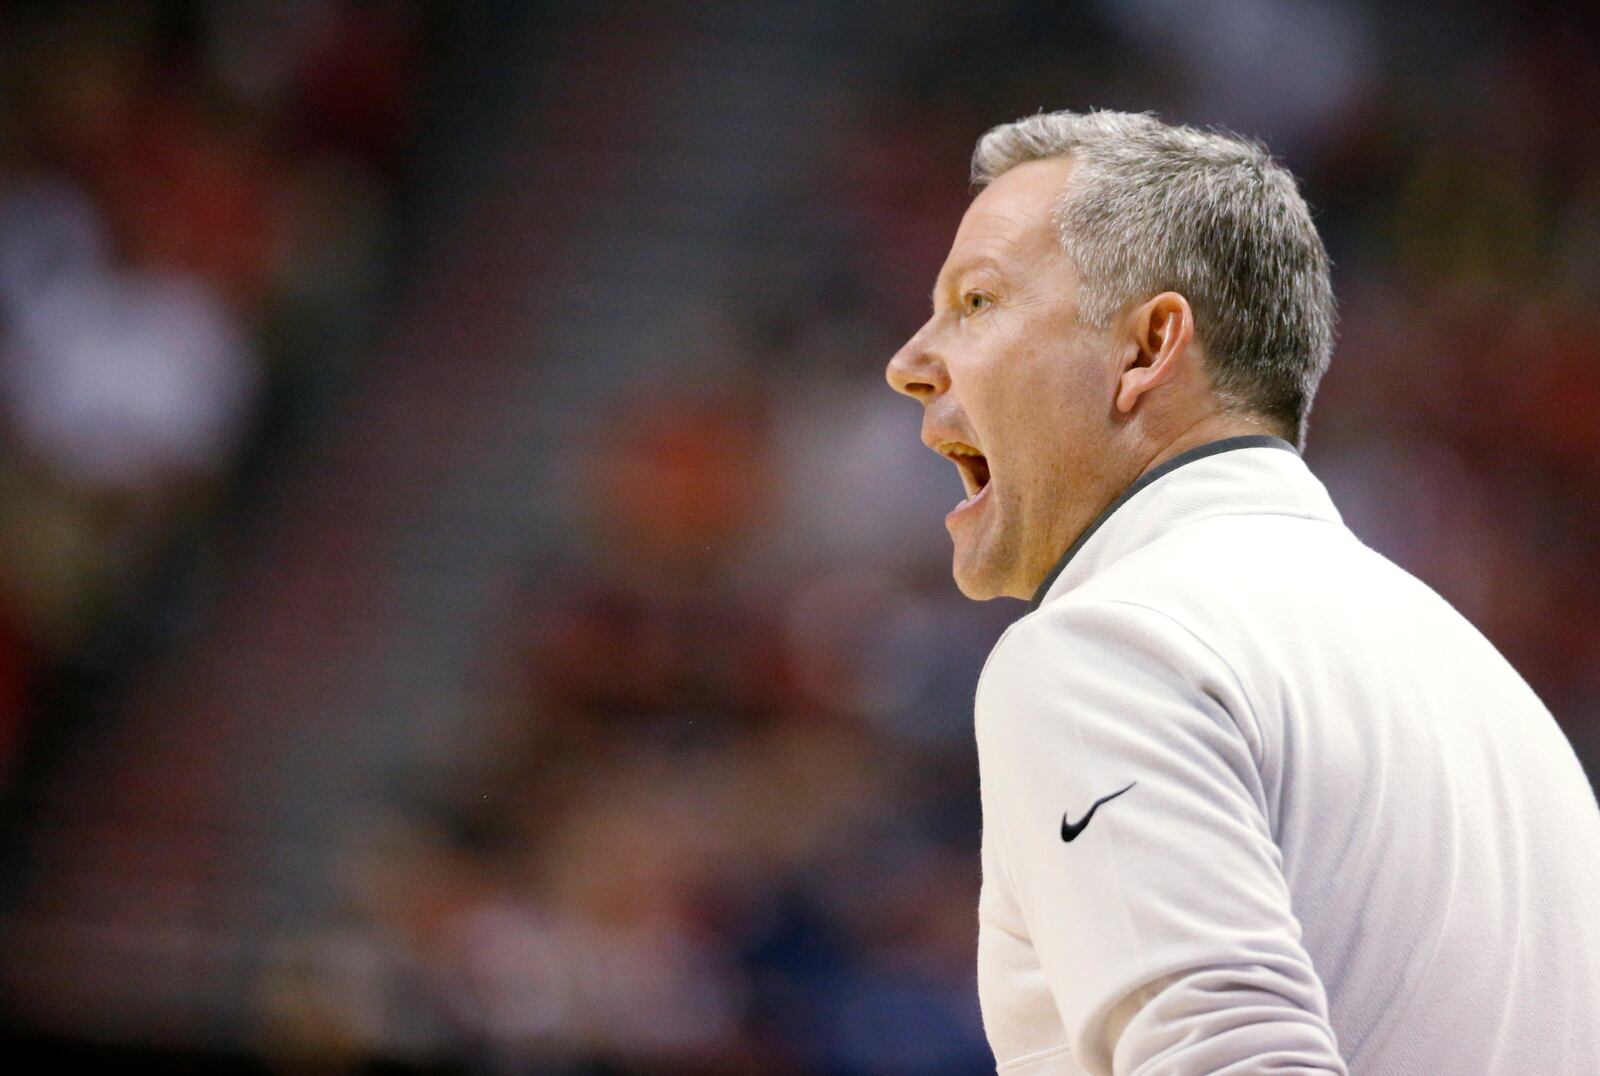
(1216, 479)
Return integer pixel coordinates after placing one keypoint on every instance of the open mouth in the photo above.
(972, 464)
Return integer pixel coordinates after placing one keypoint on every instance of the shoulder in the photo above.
(1238, 585)
(1092, 620)
(1267, 552)
(1076, 648)
(1088, 678)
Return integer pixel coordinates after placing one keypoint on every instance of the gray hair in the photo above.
(1151, 207)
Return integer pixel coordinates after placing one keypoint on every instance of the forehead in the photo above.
(1013, 216)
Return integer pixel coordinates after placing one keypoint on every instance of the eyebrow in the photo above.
(980, 261)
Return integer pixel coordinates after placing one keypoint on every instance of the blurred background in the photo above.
(468, 598)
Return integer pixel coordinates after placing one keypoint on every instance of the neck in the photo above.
(1213, 427)
(1153, 451)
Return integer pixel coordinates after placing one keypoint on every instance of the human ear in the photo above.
(1160, 332)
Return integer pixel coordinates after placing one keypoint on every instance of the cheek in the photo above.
(1054, 421)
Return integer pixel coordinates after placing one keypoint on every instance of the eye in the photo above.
(974, 302)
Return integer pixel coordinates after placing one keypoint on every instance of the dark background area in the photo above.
(468, 598)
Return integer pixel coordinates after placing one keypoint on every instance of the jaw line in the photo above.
(1007, 584)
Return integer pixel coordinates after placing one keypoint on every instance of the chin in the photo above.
(980, 582)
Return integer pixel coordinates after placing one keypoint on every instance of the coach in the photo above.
(1255, 799)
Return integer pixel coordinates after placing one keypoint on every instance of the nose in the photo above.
(915, 371)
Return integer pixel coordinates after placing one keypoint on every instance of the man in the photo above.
(1255, 799)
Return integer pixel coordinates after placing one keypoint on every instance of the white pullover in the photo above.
(1336, 832)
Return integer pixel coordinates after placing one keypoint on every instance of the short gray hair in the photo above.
(1150, 207)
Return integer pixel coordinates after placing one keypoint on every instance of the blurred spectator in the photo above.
(120, 381)
(193, 217)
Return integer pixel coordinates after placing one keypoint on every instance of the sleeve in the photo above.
(1164, 927)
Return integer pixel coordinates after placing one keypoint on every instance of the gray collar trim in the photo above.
(1199, 452)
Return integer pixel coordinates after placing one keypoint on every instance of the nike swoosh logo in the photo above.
(1070, 830)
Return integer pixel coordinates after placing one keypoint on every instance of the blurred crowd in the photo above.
(195, 206)
(720, 814)
(720, 820)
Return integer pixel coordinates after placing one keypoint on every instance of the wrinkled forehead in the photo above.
(1016, 213)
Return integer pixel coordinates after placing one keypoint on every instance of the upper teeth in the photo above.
(956, 448)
